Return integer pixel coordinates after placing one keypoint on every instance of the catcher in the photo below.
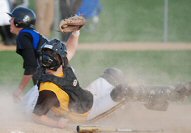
(60, 92)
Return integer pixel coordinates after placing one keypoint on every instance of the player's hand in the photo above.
(17, 95)
(62, 123)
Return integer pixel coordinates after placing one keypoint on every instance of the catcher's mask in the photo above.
(53, 54)
(23, 17)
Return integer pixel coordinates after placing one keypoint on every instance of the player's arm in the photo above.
(45, 120)
(45, 102)
(72, 24)
(29, 64)
(72, 44)
(24, 82)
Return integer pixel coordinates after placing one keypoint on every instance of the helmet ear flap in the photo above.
(16, 22)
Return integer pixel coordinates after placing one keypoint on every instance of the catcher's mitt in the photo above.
(71, 24)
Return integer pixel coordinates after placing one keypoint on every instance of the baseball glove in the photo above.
(71, 24)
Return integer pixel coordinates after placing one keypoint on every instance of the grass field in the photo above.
(157, 67)
(140, 20)
(137, 20)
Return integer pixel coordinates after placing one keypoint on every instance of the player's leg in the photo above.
(107, 91)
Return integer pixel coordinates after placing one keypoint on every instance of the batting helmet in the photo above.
(53, 54)
(23, 17)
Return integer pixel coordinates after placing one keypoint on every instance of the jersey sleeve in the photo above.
(46, 100)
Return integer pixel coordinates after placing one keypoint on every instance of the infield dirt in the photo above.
(176, 119)
(128, 46)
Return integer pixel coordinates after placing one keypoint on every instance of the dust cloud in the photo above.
(131, 115)
(13, 118)
(134, 116)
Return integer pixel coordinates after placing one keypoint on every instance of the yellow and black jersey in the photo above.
(52, 97)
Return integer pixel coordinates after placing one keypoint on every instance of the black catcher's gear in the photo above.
(23, 17)
(53, 55)
(81, 100)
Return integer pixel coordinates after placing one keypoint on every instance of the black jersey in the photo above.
(28, 43)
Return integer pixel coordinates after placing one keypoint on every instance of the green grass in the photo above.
(10, 68)
(159, 67)
(179, 20)
(141, 20)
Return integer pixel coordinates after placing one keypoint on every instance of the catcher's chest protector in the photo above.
(81, 100)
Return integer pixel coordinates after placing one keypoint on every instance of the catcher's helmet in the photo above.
(53, 54)
(23, 17)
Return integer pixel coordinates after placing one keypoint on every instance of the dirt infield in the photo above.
(127, 46)
(133, 116)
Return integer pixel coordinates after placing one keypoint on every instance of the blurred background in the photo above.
(115, 22)
(121, 21)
